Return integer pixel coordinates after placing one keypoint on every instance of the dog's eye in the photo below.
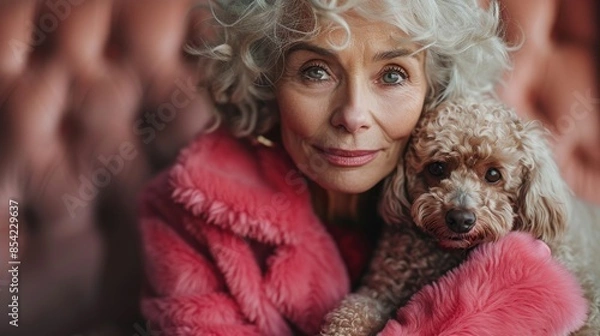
(493, 175)
(436, 169)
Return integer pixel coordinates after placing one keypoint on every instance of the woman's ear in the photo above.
(542, 201)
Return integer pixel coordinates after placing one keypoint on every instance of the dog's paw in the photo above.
(357, 315)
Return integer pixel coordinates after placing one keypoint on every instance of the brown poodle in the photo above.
(473, 172)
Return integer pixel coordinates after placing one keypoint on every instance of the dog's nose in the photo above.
(460, 220)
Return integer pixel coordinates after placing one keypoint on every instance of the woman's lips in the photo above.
(347, 158)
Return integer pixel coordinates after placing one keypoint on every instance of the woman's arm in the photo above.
(511, 287)
(184, 295)
(184, 292)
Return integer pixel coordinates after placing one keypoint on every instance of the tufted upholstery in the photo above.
(555, 79)
(97, 95)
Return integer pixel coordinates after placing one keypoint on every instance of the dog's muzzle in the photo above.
(460, 220)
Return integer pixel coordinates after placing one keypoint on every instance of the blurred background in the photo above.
(97, 96)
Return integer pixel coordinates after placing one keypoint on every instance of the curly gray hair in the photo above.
(466, 53)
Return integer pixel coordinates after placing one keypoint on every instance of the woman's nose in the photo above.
(351, 109)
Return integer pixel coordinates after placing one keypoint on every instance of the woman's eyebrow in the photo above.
(400, 52)
(312, 48)
(380, 56)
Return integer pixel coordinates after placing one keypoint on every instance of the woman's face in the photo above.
(346, 114)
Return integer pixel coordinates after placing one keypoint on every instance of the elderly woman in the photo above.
(265, 223)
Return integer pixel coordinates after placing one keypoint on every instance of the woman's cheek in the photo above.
(400, 115)
(301, 114)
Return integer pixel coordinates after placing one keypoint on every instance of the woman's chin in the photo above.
(355, 182)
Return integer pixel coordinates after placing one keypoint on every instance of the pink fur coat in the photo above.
(232, 247)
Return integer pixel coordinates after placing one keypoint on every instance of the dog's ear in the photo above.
(543, 195)
(394, 206)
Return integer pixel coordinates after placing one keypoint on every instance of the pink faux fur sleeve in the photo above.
(184, 293)
(512, 287)
(188, 297)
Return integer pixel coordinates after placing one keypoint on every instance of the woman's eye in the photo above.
(315, 73)
(393, 76)
(437, 169)
(493, 175)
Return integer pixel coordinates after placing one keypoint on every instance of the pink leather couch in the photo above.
(96, 96)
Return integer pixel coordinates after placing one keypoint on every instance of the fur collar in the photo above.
(248, 188)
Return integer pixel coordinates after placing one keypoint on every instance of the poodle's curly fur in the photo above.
(472, 172)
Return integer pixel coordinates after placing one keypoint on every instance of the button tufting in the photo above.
(96, 95)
